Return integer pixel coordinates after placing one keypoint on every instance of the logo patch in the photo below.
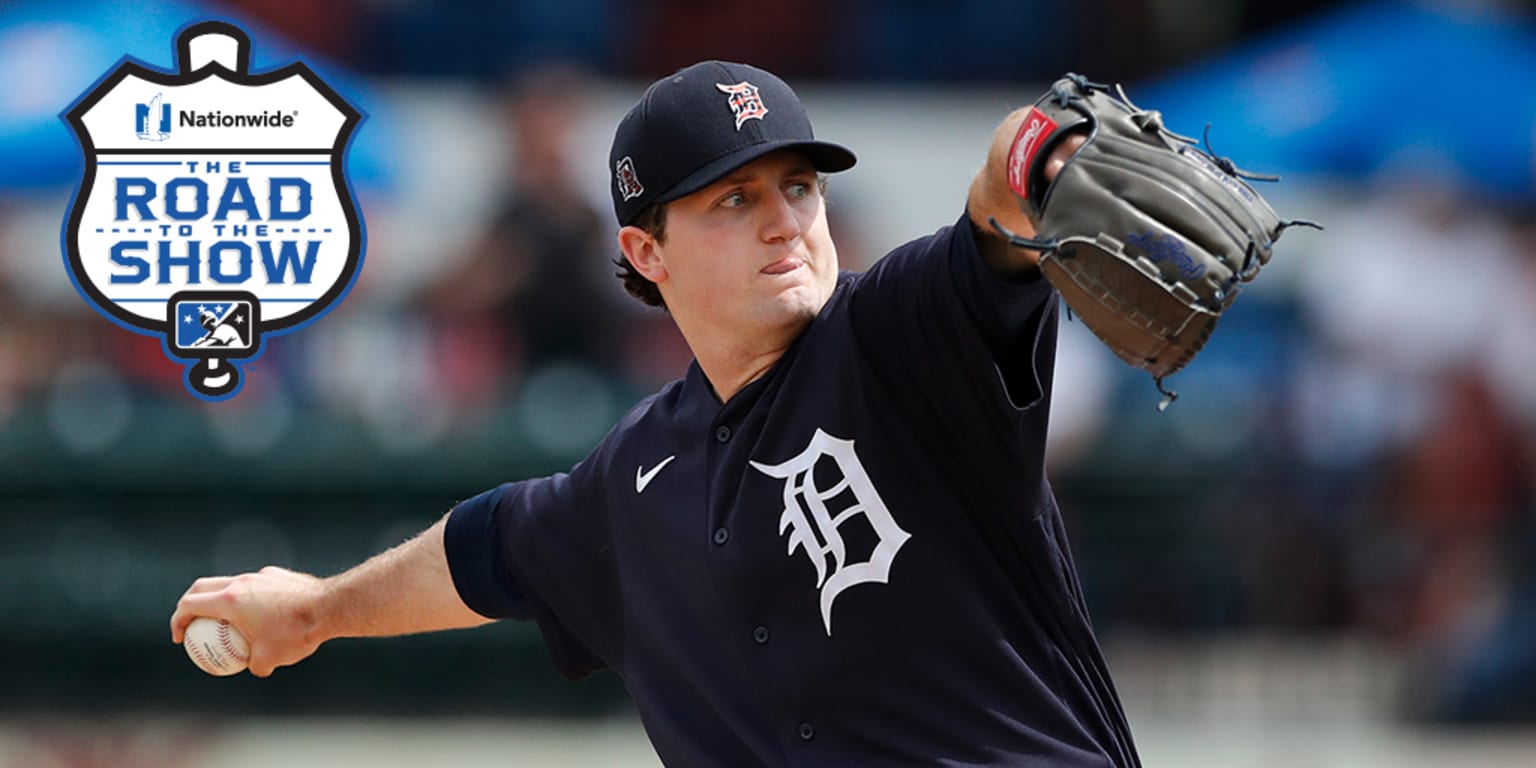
(239, 216)
(1026, 144)
(643, 479)
(744, 100)
(213, 324)
(1161, 248)
(629, 182)
(813, 517)
(152, 121)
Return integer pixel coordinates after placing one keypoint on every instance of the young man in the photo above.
(832, 542)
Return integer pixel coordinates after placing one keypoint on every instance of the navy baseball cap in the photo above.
(700, 123)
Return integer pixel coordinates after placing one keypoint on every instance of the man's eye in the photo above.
(733, 200)
(800, 190)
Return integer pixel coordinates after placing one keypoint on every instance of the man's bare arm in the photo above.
(286, 615)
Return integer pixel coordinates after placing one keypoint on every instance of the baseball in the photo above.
(216, 647)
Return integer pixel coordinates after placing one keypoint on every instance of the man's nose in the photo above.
(781, 223)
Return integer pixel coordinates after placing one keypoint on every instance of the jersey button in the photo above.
(722, 535)
(807, 732)
(723, 433)
(760, 634)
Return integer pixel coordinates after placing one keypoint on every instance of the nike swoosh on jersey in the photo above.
(642, 479)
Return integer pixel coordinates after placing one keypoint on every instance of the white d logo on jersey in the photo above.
(809, 521)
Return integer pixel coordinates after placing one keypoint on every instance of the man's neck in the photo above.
(730, 365)
(727, 381)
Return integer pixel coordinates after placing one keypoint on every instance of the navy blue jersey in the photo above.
(857, 560)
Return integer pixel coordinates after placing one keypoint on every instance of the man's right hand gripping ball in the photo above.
(1146, 236)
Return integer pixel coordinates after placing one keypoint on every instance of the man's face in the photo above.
(751, 252)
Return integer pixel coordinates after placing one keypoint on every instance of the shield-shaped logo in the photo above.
(215, 207)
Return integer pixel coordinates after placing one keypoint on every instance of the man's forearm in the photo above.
(286, 614)
(400, 591)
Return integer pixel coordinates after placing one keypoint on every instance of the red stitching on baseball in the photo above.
(228, 644)
(204, 660)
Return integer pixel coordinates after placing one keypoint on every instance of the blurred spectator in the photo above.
(534, 287)
(1461, 496)
(41, 332)
(12, 350)
(1509, 354)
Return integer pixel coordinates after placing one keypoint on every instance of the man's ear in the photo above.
(643, 253)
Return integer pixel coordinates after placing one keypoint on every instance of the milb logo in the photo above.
(213, 324)
(223, 231)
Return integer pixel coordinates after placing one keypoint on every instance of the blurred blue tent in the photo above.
(1438, 87)
(50, 52)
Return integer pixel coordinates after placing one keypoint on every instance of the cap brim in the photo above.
(825, 157)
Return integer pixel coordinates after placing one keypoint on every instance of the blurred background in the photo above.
(1321, 555)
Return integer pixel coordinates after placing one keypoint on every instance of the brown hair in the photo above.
(652, 219)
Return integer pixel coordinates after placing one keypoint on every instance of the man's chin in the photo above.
(802, 311)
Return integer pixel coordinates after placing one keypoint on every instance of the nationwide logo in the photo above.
(216, 119)
(213, 239)
(153, 114)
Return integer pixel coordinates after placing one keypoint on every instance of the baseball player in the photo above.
(832, 541)
(218, 334)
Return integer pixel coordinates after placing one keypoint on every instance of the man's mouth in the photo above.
(786, 264)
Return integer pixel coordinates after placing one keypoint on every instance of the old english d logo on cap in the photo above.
(745, 101)
(629, 182)
(215, 208)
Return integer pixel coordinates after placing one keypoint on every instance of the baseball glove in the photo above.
(1144, 235)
